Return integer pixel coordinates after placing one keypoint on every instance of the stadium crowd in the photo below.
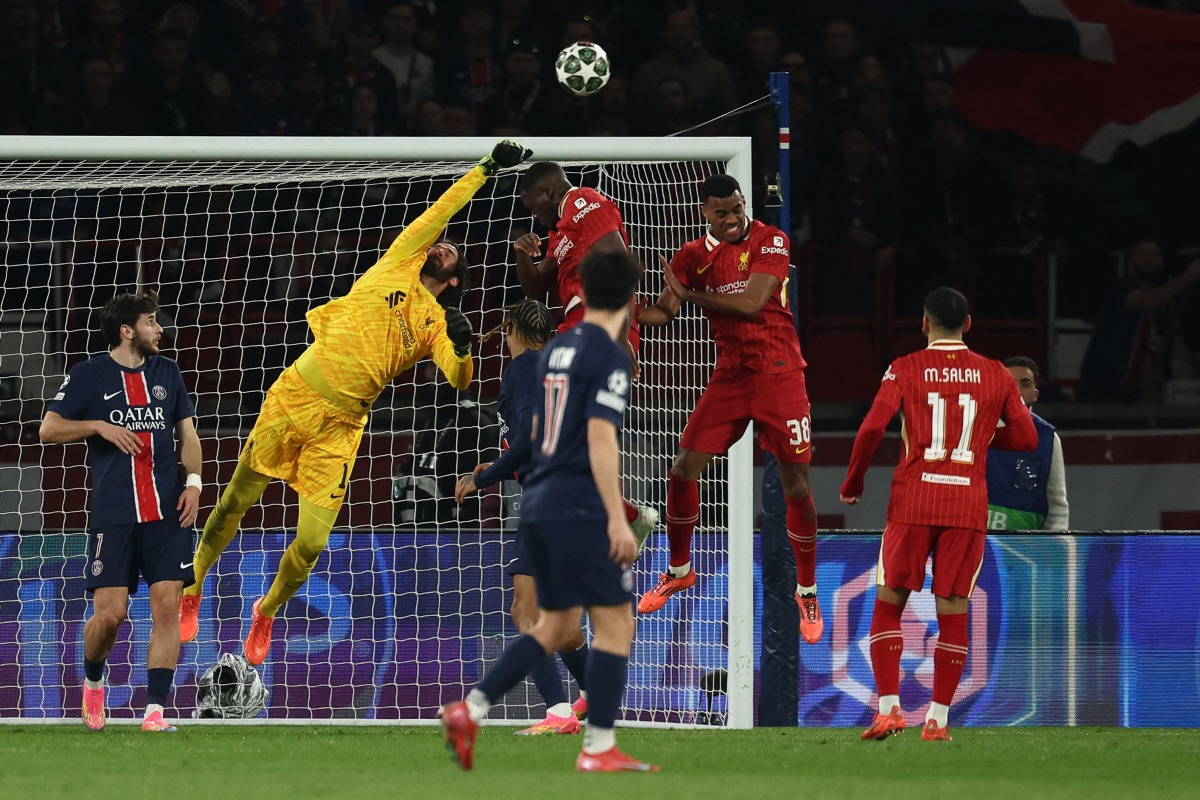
(891, 185)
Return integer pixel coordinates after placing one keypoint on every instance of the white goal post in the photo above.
(409, 603)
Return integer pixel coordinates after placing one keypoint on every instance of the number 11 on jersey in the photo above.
(937, 447)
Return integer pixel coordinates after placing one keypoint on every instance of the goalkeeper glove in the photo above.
(506, 153)
(458, 330)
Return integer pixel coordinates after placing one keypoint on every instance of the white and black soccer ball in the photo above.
(582, 68)
(230, 689)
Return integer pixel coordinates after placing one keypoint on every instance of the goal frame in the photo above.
(734, 151)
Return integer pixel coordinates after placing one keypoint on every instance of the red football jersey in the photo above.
(766, 342)
(950, 401)
(586, 215)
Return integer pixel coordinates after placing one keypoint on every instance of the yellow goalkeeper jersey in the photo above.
(389, 321)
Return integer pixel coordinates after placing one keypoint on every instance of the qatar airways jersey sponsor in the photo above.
(766, 342)
(950, 401)
(149, 401)
(586, 215)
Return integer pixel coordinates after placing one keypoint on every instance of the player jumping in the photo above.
(737, 272)
(308, 431)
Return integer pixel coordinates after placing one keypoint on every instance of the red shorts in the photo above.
(777, 402)
(957, 558)
(575, 316)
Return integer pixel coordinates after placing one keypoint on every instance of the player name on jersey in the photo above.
(952, 375)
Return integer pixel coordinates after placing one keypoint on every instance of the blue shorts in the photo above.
(519, 564)
(570, 563)
(159, 551)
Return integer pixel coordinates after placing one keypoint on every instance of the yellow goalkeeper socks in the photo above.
(297, 562)
(243, 491)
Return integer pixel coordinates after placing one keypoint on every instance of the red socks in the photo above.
(631, 511)
(802, 535)
(949, 656)
(887, 645)
(683, 511)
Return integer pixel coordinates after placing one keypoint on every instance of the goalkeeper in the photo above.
(308, 431)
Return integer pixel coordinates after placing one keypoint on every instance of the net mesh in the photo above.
(408, 605)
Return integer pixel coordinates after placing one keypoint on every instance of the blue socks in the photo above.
(607, 674)
(517, 661)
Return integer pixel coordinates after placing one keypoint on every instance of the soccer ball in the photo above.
(582, 68)
(230, 689)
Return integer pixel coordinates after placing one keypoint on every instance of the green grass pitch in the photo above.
(297, 763)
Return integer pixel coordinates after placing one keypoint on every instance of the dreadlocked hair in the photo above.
(529, 319)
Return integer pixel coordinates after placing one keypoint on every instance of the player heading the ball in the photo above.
(401, 310)
(738, 272)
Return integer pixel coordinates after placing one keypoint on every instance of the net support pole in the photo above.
(741, 545)
(780, 646)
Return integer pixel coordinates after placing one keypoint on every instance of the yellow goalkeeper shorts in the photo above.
(305, 440)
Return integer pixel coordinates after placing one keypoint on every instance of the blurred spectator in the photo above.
(325, 25)
(34, 79)
(709, 84)
(937, 94)
(1136, 342)
(611, 109)
(764, 49)
(459, 119)
(365, 119)
(520, 101)
(430, 119)
(101, 109)
(360, 67)
(517, 19)
(412, 70)
(174, 98)
(953, 199)
(855, 212)
(266, 111)
(672, 110)
(875, 112)
(323, 113)
(263, 54)
(469, 72)
(833, 77)
(106, 37)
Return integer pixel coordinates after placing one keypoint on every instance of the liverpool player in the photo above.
(400, 311)
(581, 220)
(131, 407)
(737, 272)
(950, 401)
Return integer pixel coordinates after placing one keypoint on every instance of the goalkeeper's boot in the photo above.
(884, 725)
(189, 617)
(667, 585)
(154, 722)
(932, 733)
(553, 724)
(811, 623)
(611, 760)
(460, 731)
(258, 641)
(93, 708)
(642, 527)
(580, 708)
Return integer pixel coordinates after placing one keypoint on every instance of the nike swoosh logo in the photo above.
(114, 394)
(800, 450)
(185, 566)
(702, 269)
(337, 496)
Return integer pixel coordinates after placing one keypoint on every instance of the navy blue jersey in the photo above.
(149, 401)
(519, 392)
(582, 374)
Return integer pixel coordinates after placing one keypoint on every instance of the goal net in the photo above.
(409, 604)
